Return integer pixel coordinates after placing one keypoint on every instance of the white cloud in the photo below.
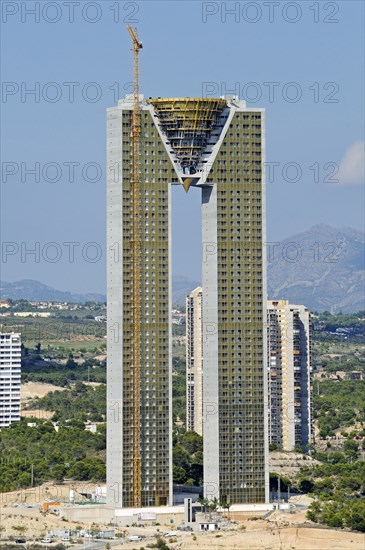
(351, 169)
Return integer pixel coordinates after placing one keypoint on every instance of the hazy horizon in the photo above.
(188, 276)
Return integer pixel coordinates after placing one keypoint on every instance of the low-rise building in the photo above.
(32, 314)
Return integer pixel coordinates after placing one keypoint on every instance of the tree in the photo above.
(58, 473)
(160, 544)
(77, 423)
(314, 511)
(25, 350)
(204, 502)
(181, 457)
(71, 364)
(351, 448)
(225, 505)
(213, 505)
(306, 485)
(210, 505)
(24, 480)
(192, 442)
(179, 474)
(355, 516)
(196, 473)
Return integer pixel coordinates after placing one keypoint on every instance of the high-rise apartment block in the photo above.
(10, 372)
(217, 146)
(290, 375)
(194, 361)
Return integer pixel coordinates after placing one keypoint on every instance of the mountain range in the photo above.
(28, 289)
(322, 268)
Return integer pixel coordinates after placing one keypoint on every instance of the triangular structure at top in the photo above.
(188, 124)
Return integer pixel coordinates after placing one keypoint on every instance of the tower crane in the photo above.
(136, 268)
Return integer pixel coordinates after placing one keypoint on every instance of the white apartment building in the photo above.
(289, 375)
(10, 367)
(194, 361)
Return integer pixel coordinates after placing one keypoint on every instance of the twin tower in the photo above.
(216, 145)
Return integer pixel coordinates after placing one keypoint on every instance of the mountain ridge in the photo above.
(322, 268)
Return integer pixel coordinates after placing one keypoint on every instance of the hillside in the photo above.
(29, 289)
(322, 268)
(181, 287)
(328, 273)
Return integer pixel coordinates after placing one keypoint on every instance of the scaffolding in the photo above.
(136, 261)
(188, 123)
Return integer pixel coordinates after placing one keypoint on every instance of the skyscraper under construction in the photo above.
(216, 145)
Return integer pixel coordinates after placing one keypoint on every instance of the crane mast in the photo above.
(136, 268)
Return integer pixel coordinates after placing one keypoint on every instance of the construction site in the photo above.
(281, 530)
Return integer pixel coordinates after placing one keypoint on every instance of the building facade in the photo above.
(10, 372)
(216, 145)
(289, 375)
(194, 361)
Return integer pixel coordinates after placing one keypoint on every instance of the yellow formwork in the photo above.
(188, 123)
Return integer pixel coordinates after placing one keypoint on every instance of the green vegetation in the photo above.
(179, 388)
(340, 474)
(333, 356)
(344, 512)
(37, 366)
(339, 489)
(339, 342)
(178, 330)
(64, 375)
(80, 402)
(74, 308)
(73, 407)
(339, 404)
(187, 457)
(70, 452)
(329, 322)
(338, 483)
(62, 333)
(213, 505)
(160, 544)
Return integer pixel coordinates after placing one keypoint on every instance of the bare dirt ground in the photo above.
(289, 464)
(37, 413)
(281, 531)
(35, 389)
(24, 508)
(264, 538)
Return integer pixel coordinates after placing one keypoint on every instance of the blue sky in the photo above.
(311, 51)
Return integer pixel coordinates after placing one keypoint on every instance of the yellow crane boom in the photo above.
(136, 260)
